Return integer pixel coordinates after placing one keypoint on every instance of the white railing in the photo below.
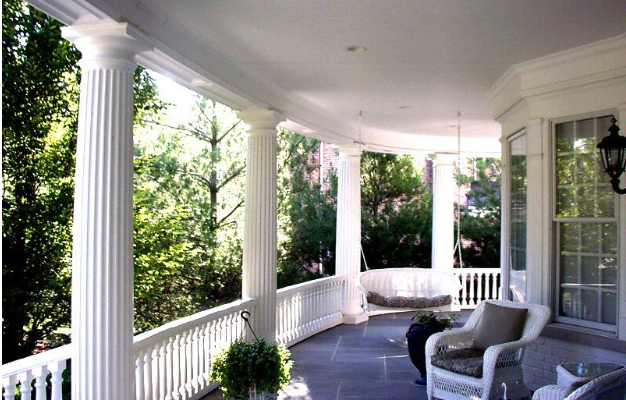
(477, 284)
(172, 361)
(36, 368)
(308, 308)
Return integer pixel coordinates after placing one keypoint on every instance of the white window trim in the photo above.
(620, 210)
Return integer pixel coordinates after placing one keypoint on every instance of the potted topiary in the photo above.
(252, 370)
(425, 325)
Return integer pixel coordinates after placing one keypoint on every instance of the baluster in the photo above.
(494, 285)
(317, 292)
(202, 354)
(464, 297)
(56, 369)
(297, 313)
(190, 363)
(163, 370)
(482, 292)
(25, 379)
(139, 384)
(181, 366)
(473, 297)
(196, 357)
(146, 373)
(176, 367)
(152, 391)
(40, 374)
(169, 366)
(8, 384)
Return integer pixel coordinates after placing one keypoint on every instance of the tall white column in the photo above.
(348, 246)
(259, 241)
(443, 212)
(102, 275)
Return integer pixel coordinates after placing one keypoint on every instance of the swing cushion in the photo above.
(409, 302)
(397, 287)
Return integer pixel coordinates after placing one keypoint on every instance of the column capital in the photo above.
(262, 121)
(444, 158)
(106, 43)
(348, 149)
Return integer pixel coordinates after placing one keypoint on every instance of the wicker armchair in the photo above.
(501, 363)
(611, 386)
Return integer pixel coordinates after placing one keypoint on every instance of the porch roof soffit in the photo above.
(204, 62)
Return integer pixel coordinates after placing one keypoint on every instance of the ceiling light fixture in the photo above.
(356, 49)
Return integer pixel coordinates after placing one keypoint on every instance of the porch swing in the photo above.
(392, 290)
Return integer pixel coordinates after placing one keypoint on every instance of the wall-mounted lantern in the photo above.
(613, 152)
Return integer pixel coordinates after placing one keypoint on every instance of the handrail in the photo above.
(41, 359)
(160, 333)
(286, 291)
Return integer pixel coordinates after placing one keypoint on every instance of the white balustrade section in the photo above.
(29, 375)
(478, 284)
(174, 361)
(308, 308)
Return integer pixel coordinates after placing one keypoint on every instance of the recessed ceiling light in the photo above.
(356, 49)
(405, 107)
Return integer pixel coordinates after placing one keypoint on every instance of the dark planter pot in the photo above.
(416, 338)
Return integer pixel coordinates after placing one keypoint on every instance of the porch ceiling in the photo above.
(435, 56)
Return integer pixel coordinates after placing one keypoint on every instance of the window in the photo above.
(586, 227)
(517, 213)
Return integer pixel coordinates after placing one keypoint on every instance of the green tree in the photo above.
(307, 212)
(40, 100)
(39, 78)
(480, 220)
(396, 213)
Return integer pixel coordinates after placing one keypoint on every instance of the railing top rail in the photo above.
(286, 291)
(457, 271)
(26, 364)
(181, 325)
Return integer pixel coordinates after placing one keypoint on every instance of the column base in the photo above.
(355, 319)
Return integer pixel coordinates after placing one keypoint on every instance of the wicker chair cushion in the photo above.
(462, 361)
(408, 302)
(499, 325)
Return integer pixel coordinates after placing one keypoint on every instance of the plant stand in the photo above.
(416, 338)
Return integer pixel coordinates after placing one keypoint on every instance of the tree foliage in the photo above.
(40, 100)
(39, 77)
(307, 212)
(396, 215)
(480, 220)
(189, 181)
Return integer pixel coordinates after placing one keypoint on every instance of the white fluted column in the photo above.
(102, 275)
(443, 212)
(348, 245)
(259, 240)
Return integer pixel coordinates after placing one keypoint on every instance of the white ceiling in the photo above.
(436, 56)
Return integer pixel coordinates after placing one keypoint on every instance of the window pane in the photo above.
(517, 210)
(587, 248)
(609, 308)
(590, 308)
(569, 303)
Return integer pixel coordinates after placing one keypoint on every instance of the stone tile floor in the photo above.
(365, 361)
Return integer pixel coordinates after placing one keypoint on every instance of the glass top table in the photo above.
(575, 374)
